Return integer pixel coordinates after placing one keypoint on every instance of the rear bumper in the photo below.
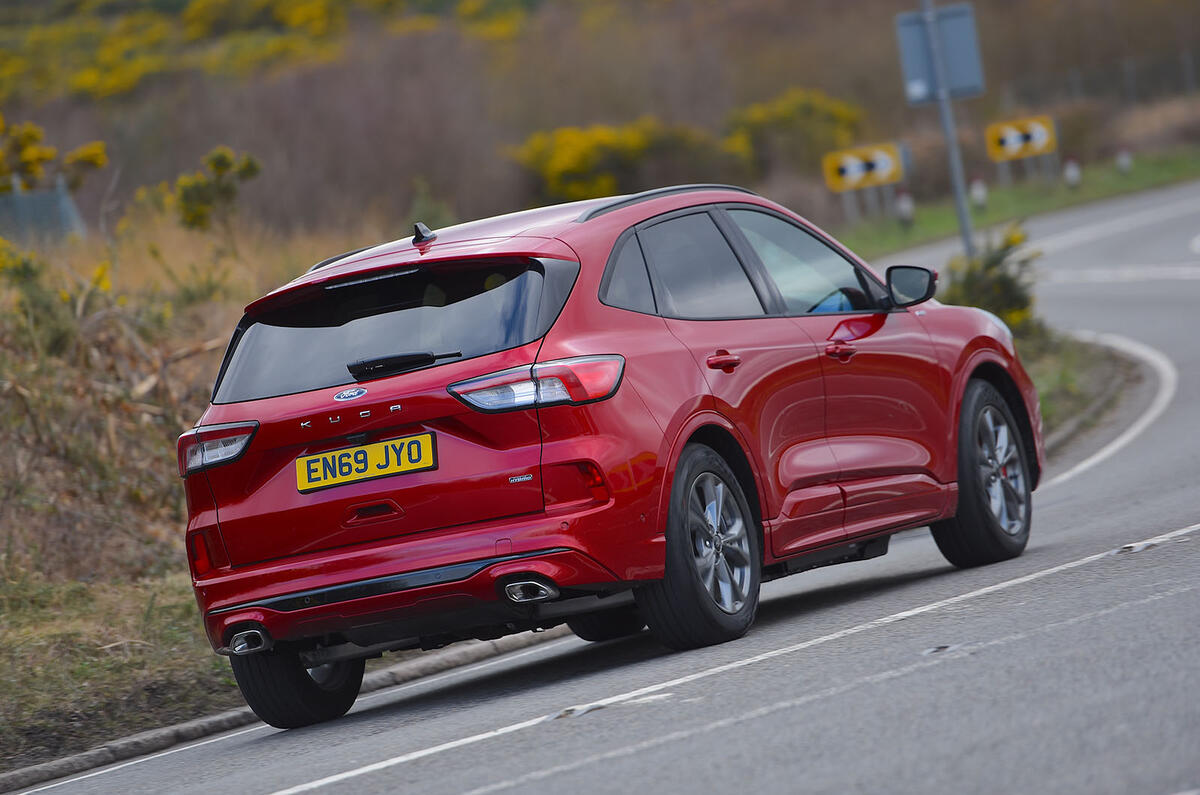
(444, 583)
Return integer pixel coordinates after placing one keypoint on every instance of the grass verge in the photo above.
(1069, 375)
(876, 237)
(85, 663)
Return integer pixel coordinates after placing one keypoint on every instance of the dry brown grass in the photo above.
(90, 490)
(1159, 125)
(81, 664)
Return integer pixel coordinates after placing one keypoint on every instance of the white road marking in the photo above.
(1194, 246)
(1168, 381)
(720, 669)
(540, 648)
(958, 653)
(651, 699)
(395, 689)
(421, 754)
(141, 759)
(1089, 233)
(1123, 274)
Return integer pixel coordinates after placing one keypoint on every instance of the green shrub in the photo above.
(42, 319)
(25, 157)
(571, 163)
(793, 131)
(210, 194)
(997, 280)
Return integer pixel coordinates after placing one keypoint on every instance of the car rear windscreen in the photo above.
(469, 308)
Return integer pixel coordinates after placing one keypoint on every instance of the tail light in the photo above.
(211, 445)
(582, 379)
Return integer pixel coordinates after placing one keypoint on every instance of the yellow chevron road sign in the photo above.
(863, 167)
(1021, 138)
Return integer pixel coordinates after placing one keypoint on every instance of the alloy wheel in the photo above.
(1001, 471)
(720, 544)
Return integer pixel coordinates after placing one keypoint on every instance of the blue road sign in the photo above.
(960, 51)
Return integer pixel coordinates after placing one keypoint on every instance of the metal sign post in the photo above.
(939, 55)
(948, 129)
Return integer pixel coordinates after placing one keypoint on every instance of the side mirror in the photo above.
(909, 284)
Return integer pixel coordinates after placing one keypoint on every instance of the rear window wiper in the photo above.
(395, 363)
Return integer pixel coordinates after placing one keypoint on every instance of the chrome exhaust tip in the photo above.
(249, 641)
(526, 591)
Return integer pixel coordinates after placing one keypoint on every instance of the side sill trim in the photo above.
(378, 586)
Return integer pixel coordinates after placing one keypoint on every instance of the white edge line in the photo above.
(158, 755)
(719, 669)
(392, 690)
(1168, 381)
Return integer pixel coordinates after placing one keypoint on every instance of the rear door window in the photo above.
(697, 275)
(811, 276)
(471, 309)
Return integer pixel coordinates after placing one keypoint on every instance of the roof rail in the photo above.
(337, 257)
(646, 195)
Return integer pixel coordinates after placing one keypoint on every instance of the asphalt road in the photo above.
(1074, 668)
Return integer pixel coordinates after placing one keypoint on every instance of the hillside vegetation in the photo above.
(349, 102)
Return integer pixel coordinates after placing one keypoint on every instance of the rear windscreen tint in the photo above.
(474, 308)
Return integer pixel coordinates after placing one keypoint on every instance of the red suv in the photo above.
(614, 413)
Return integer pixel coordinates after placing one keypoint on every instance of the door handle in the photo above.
(842, 351)
(723, 360)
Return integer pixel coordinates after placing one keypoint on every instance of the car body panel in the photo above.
(885, 414)
(966, 339)
(776, 397)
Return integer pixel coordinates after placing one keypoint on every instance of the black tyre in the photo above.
(994, 506)
(607, 624)
(709, 593)
(287, 695)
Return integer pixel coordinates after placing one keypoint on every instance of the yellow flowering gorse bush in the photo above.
(791, 131)
(584, 162)
(997, 280)
(25, 157)
(794, 129)
(101, 50)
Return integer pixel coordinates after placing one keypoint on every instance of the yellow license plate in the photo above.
(378, 460)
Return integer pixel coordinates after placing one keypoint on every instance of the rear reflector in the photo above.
(201, 562)
(211, 445)
(573, 484)
(582, 379)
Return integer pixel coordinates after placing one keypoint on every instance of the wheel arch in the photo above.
(729, 448)
(994, 374)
